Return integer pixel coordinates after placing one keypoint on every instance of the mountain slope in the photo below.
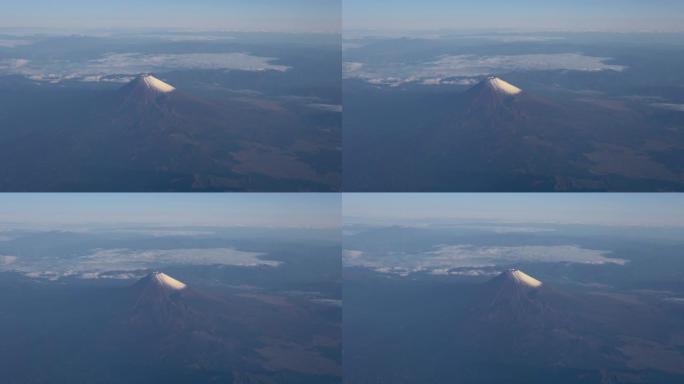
(496, 136)
(174, 327)
(151, 136)
(490, 94)
(516, 320)
(515, 328)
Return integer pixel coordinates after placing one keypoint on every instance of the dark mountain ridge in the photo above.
(161, 329)
(515, 319)
(151, 136)
(498, 137)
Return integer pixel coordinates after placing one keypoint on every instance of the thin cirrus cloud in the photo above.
(464, 259)
(463, 69)
(121, 67)
(122, 263)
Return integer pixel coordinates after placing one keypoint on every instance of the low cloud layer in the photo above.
(122, 67)
(465, 69)
(327, 107)
(128, 263)
(160, 232)
(7, 260)
(11, 43)
(670, 106)
(475, 260)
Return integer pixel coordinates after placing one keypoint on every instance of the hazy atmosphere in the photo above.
(181, 288)
(171, 96)
(172, 210)
(591, 209)
(523, 288)
(342, 192)
(524, 15)
(233, 15)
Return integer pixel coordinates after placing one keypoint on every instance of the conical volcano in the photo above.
(491, 94)
(145, 86)
(160, 280)
(515, 295)
(145, 91)
(515, 318)
(161, 300)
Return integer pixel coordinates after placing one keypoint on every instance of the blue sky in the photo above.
(226, 209)
(324, 15)
(601, 208)
(244, 15)
(572, 15)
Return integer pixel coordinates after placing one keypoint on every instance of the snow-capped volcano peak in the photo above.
(167, 281)
(521, 278)
(501, 86)
(153, 83)
(147, 89)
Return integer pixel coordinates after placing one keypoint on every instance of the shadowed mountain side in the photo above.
(150, 136)
(518, 324)
(513, 328)
(161, 329)
(498, 137)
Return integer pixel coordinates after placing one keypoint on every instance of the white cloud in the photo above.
(110, 275)
(462, 69)
(11, 43)
(121, 67)
(181, 37)
(670, 106)
(127, 263)
(136, 63)
(7, 260)
(350, 44)
(508, 229)
(464, 272)
(329, 302)
(125, 259)
(472, 260)
(469, 255)
(9, 65)
(351, 254)
(356, 39)
(351, 67)
(516, 38)
(164, 232)
(326, 107)
(49, 275)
